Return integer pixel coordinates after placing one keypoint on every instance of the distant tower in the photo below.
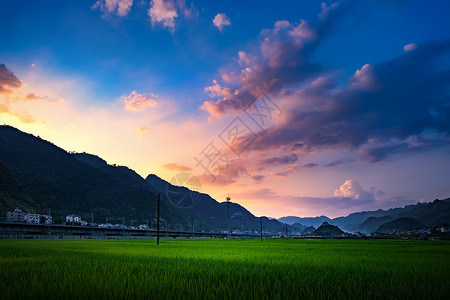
(228, 206)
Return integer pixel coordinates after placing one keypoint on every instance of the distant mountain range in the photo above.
(36, 175)
(436, 213)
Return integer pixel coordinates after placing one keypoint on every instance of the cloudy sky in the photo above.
(293, 107)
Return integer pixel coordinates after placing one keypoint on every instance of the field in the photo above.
(224, 269)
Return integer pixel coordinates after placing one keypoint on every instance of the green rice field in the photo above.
(224, 269)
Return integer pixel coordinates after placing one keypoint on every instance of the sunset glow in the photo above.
(293, 108)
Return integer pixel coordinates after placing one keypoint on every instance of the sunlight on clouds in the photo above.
(119, 7)
(163, 11)
(221, 20)
(138, 102)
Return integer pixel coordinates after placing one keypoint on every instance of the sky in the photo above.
(293, 108)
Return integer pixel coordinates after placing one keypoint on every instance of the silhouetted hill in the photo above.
(328, 230)
(400, 224)
(120, 173)
(207, 212)
(308, 230)
(12, 194)
(36, 175)
(55, 179)
(308, 221)
(372, 223)
(428, 214)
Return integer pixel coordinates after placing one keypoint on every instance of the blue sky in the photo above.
(363, 87)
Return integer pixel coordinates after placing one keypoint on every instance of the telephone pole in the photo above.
(157, 222)
(192, 226)
(261, 231)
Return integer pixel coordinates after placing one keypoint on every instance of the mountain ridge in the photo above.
(36, 174)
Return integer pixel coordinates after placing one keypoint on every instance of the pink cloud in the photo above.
(163, 11)
(119, 7)
(352, 189)
(176, 167)
(364, 78)
(138, 102)
(142, 130)
(221, 20)
(409, 47)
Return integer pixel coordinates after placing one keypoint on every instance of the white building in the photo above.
(15, 216)
(73, 219)
(36, 218)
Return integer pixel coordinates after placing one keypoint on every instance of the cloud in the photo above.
(176, 167)
(221, 20)
(263, 199)
(166, 11)
(258, 178)
(36, 97)
(8, 81)
(11, 95)
(118, 7)
(23, 116)
(397, 106)
(285, 159)
(364, 78)
(142, 130)
(352, 189)
(410, 47)
(310, 165)
(138, 102)
(282, 59)
(338, 162)
(289, 169)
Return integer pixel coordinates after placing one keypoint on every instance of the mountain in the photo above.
(37, 175)
(328, 230)
(11, 191)
(429, 214)
(309, 230)
(400, 224)
(50, 177)
(207, 212)
(120, 173)
(314, 221)
(371, 224)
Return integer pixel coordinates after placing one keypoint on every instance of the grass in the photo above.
(225, 269)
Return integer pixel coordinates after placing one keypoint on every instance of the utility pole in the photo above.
(261, 231)
(192, 226)
(287, 234)
(157, 221)
(228, 213)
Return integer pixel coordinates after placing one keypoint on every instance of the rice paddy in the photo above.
(224, 269)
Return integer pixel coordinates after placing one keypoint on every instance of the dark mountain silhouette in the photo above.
(308, 230)
(299, 228)
(37, 175)
(400, 224)
(328, 230)
(429, 214)
(208, 212)
(120, 173)
(309, 221)
(372, 223)
(53, 178)
(11, 191)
